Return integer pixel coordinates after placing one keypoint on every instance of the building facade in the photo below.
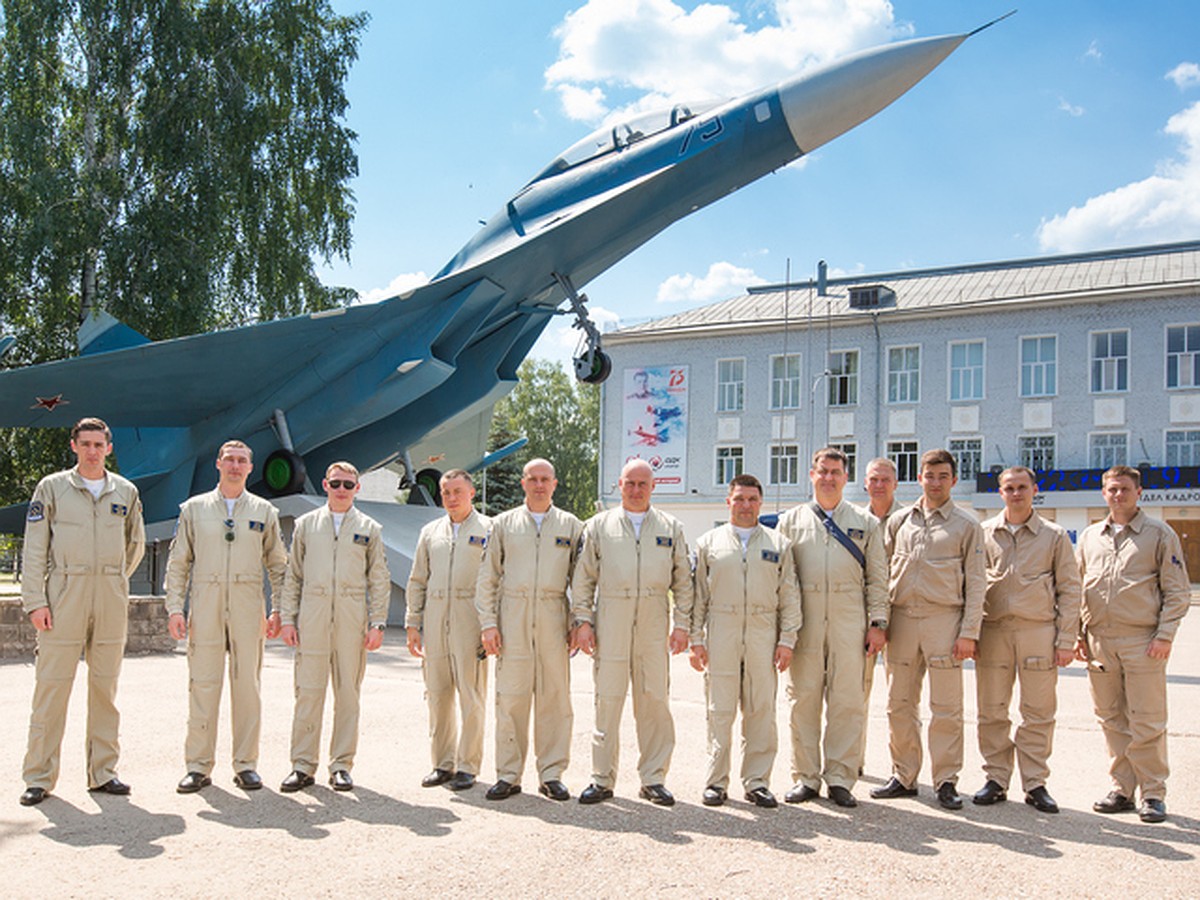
(1066, 364)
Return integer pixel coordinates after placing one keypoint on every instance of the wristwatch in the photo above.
(881, 624)
(379, 626)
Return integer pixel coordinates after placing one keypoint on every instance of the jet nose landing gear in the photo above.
(592, 365)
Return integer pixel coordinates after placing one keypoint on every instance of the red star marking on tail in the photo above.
(48, 403)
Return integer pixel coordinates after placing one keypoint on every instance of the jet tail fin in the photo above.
(101, 332)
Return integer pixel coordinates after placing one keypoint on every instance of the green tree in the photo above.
(561, 419)
(178, 163)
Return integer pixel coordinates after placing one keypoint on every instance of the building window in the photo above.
(1039, 366)
(731, 385)
(851, 451)
(1183, 448)
(1110, 361)
(904, 374)
(1107, 449)
(969, 453)
(729, 464)
(1036, 452)
(966, 370)
(785, 464)
(904, 457)
(785, 382)
(1183, 356)
(843, 378)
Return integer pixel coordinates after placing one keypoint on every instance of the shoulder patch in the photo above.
(1174, 559)
(562, 542)
(258, 526)
(362, 539)
(771, 556)
(665, 541)
(36, 513)
(477, 540)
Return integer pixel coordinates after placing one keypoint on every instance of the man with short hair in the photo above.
(443, 632)
(1030, 622)
(880, 483)
(524, 613)
(84, 537)
(1135, 593)
(744, 621)
(333, 610)
(632, 570)
(223, 542)
(937, 585)
(839, 555)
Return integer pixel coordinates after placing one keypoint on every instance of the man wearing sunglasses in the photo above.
(333, 610)
(224, 540)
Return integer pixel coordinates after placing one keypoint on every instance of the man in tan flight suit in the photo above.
(937, 585)
(1135, 592)
(224, 540)
(632, 569)
(333, 610)
(1030, 622)
(83, 539)
(839, 555)
(744, 622)
(880, 483)
(525, 619)
(443, 630)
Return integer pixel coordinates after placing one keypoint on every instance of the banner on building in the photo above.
(655, 423)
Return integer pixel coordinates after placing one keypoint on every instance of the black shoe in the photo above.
(248, 780)
(340, 780)
(296, 781)
(892, 790)
(555, 790)
(436, 777)
(33, 796)
(714, 796)
(593, 793)
(502, 790)
(842, 796)
(1153, 811)
(1115, 802)
(947, 796)
(1039, 798)
(113, 786)
(192, 782)
(657, 794)
(800, 793)
(990, 793)
(762, 798)
(461, 781)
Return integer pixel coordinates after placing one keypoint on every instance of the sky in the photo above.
(1073, 125)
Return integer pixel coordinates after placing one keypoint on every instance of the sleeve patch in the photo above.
(36, 513)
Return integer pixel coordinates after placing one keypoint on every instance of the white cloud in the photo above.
(1069, 109)
(1093, 52)
(723, 280)
(656, 52)
(1185, 75)
(397, 285)
(1164, 207)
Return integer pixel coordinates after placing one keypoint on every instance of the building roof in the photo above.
(1159, 269)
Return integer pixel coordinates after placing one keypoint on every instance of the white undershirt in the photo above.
(636, 520)
(744, 534)
(456, 526)
(337, 523)
(95, 485)
(230, 504)
(1014, 527)
(539, 518)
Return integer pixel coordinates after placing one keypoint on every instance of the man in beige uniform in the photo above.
(333, 610)
(83, 539)
(632, 568)
(839, 555)
(937, 586)
(1135, 592)
(525, 619)
(443, 630)
(223, 542)
(744, 622)
(1030, 622)
(880, 483)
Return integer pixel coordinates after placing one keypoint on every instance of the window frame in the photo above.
(1195, 385)
(1092, 360)
(916, 459)
(799, 380)
(1021, 460)
(911, 375)
(950, 381)
(852, 378)
(741, 407)
(1021, 366)
(772, 457)
(717, 460)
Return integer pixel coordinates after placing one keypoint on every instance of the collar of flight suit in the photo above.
(78, 482)
(1136, 524)
(945, 511)
(1033, 523)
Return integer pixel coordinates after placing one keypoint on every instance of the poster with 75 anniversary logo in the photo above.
(655, 423)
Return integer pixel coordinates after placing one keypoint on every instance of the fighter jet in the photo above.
(412, 380)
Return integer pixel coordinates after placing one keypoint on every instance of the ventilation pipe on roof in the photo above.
(822, 277)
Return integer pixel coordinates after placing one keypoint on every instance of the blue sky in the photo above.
(1071, 126)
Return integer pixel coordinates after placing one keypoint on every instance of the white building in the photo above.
(1067, 364)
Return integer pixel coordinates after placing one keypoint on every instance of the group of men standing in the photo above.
(819, 597)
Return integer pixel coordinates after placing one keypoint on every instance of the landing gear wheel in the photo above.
(431, 480)
(284, 473)
(599, 370)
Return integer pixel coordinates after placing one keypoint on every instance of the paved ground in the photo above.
(392, 837)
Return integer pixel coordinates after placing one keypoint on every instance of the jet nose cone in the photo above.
(821, 105)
